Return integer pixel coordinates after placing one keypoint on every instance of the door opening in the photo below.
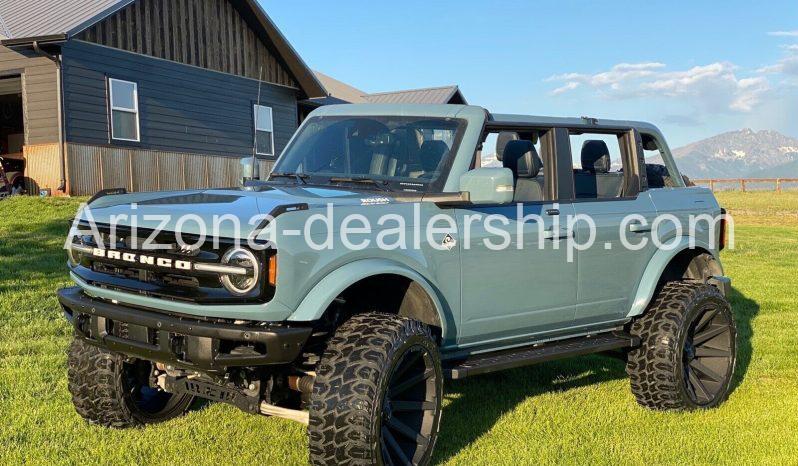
(12, 136)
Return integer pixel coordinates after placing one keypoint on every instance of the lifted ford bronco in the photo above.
(353, 330)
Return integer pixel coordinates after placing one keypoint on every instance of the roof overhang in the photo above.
(61, 33)
(29, 41)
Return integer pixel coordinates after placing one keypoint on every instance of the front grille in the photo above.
(146, 276)
(150, 279)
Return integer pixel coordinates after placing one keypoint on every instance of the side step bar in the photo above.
(492, 362)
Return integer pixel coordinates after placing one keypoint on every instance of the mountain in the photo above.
(740, 154)
(788, 170)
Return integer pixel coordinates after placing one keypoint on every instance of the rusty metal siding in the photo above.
(92, 168)
(42, 166)
(84, 170)
(171, 171)
(145, 171)
(196, 173)
(115, 166)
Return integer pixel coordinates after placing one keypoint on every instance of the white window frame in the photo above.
(255, 109)
(134, 111)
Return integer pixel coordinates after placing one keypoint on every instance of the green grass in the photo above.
(576, 411)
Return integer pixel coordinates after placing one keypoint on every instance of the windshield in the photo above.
(397, 153)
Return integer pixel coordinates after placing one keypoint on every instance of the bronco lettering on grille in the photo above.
(163, 262)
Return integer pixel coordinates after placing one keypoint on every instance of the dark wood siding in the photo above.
(182, 108)
(39, 93)
(206, 33)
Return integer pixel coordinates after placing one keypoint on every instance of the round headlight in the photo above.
(244, 283)
(74, 253)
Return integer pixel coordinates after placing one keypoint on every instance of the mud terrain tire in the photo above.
(106, 390)
(688, 349)
(377, 395)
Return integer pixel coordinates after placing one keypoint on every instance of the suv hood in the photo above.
(167, 210)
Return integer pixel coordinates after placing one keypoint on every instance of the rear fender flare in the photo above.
(654, 270)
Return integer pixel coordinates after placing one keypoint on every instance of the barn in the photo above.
(145, 94)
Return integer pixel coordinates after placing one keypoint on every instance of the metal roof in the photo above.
(340, 91)
(432, 95)
(42, 18)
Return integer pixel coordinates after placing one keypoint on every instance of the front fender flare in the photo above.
(656, 266)
(317, 301)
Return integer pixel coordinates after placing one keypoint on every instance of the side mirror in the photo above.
(488, 185)
(249, 170)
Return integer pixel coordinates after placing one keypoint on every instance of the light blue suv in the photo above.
(392, 248)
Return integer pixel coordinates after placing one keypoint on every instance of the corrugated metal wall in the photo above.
(42, 167)
(92, 168)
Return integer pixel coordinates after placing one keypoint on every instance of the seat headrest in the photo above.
(522, 158)
(596, 156)
(501, 142)
(431, 154)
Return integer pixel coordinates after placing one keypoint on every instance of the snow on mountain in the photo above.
(739, 154)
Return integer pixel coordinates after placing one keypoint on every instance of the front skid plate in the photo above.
(248, 402)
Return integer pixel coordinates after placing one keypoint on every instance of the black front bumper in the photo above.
(179, 341)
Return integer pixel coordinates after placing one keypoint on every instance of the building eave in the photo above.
(28, 41)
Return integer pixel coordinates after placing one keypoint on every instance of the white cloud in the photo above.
(569, 86)
(612, 78)
(714, 87)
(749, 93)
(783, 33)
(787, 65)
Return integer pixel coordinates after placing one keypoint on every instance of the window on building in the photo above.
(124, 110)
(264, 130)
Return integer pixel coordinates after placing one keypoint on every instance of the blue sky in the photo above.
(693, 68)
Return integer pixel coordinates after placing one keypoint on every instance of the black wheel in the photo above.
(108, 391)
(688, 349)
(377, 395)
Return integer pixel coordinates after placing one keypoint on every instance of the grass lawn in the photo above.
(576, 411)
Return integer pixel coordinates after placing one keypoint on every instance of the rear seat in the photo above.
(595, 181)
(522, 159)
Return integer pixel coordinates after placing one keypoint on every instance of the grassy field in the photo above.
(577, 411)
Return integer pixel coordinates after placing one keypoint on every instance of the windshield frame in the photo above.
(398, 185)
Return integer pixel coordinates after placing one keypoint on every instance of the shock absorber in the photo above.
(301, 383)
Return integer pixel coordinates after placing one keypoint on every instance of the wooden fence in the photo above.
(744, 183)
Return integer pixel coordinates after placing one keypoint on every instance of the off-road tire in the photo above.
(658, 370)
(100, 395)
(347, 413)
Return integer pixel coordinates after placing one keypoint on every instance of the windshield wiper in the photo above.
(296, 176)
(383, 185)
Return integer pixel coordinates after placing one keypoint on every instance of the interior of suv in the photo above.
(595, 179)
(521, 157)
